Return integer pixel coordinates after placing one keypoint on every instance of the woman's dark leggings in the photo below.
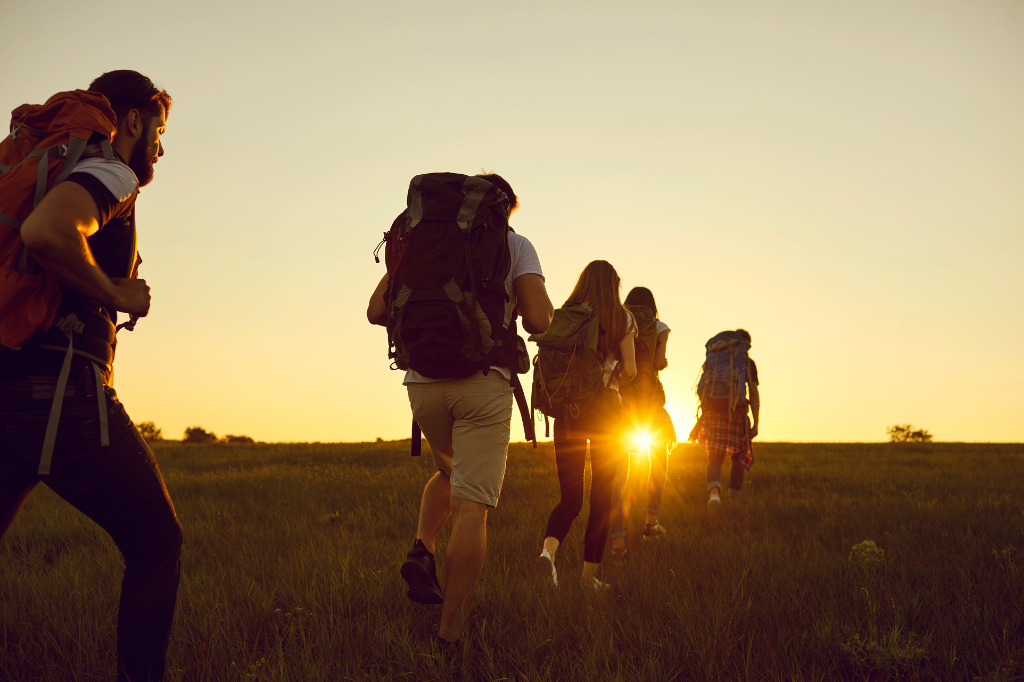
(570, 458)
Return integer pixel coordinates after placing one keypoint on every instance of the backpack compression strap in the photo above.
(70, 325)
(529, 429)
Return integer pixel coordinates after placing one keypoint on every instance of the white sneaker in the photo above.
(545, 568)
(600, 586)
(714, 499)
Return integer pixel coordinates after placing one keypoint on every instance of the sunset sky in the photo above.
(844, 180)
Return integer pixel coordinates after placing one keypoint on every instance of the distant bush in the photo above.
(238, 440)
(907, 433)
(199, 436)
(150, 432)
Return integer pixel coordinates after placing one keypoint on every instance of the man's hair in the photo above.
(502, 184)
(642, 296)
(744, 333)
(127, 90)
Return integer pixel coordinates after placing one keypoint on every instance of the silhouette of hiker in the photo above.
(465, 415)
(82, 234)
(723, 428)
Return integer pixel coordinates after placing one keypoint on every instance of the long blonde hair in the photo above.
(599, 285)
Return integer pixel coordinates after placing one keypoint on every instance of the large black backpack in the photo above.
(448, 257)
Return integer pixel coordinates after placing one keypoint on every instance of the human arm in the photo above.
(755, 408)
(377, 311)
(660, 361)
(534, 305)
(56, 233)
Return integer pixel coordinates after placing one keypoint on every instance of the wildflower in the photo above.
(867, 554)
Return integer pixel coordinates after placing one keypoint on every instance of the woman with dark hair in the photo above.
(598, 422)
(644, 403)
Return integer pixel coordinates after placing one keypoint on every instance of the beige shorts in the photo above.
(468, 423)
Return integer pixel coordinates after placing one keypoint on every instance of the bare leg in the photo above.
(463, 562)
(551, 545)
(434, 509)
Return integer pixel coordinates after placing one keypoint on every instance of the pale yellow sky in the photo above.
(842, 180)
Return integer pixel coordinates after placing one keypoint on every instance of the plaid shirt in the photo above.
(723, 436)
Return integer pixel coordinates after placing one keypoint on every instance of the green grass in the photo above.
(290, 572)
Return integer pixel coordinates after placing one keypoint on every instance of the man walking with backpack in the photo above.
(69, 175)
(457, 278)
(724, 429)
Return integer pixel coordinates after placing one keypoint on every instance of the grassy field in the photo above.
(290, 572)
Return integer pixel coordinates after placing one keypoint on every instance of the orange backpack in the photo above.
(45, 144)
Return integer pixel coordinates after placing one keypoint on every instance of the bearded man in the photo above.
(82, 233)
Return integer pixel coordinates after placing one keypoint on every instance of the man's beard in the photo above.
(141, 161)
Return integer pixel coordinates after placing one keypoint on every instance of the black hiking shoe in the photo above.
(419, 572)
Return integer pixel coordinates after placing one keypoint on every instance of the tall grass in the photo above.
(290, 572)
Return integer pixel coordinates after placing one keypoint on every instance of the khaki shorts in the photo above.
(468, 423)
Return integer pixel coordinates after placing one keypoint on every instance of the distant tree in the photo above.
(150, 432)
(379, 439)
(908, 433)
(199, 435)
(238, 440)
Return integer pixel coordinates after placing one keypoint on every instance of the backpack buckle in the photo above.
(62, 150)
(14, 130)
(70, 324)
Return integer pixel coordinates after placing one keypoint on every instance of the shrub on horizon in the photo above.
(236, 440)
(149, 432)
(199, 436)
(907, 433)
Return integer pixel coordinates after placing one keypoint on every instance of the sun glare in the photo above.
(643, 441)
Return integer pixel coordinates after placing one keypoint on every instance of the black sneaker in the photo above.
(418, 570)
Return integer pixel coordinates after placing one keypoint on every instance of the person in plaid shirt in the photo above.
(729, 433)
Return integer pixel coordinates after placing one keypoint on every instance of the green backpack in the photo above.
(645, 393)
(568, 369)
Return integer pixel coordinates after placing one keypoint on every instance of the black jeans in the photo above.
(118, 486)
(602, 430)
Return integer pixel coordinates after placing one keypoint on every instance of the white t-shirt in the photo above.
(662, 327)
(524, 262)
(115, 176)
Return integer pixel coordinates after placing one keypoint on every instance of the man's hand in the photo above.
(753, 431)
(131, 296)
